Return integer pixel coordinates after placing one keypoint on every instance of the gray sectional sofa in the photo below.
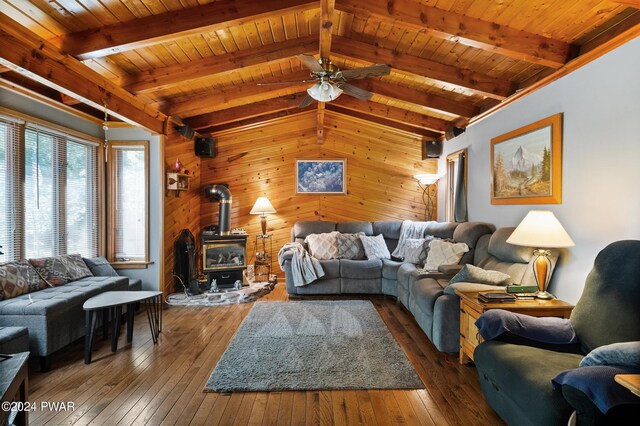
(54, 316)
(388, 276)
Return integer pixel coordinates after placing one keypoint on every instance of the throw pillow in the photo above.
(18, 278)
(444, 253)
(75, 266)
(375, 247)
(100, 267)
(473, 274)
(624, 354)
(52, 270)
(323, 246)
(350, 246)
(416, 249)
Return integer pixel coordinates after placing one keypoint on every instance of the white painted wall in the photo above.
(150, 276)
(601, 164)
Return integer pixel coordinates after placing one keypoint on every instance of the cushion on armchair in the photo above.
(625, 354)
(495, 322)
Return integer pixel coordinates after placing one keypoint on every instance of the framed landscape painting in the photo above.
(526, 164)
(321, 176)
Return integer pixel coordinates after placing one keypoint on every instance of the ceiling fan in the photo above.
(331, 82)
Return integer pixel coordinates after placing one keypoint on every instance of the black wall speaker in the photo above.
(431, 149)
(453, 132)
(185, 131)
(205, 147)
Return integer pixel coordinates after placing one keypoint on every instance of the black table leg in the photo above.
(105, 323)
(89, 334)
(130, 316)
(117, 315)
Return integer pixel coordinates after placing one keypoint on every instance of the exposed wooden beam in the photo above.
(68, 100)
(259, 120)
(204, 102)
(632, 3)
(469, 31)
(383, 121)
(623, 23)
(245, 111)
(326, 26)
(474, 81)
(25, 52)
(406, 94)
(392, 113)
(154, 29)
(161, 78)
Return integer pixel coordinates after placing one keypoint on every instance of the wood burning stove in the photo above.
(224, 257)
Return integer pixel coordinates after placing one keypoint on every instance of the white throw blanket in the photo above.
(305, 268)
(409, 229)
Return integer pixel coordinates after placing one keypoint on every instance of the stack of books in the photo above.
(496, 297)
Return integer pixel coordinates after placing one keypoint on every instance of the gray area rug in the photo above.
(314, 345)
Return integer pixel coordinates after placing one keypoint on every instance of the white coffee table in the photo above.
(112, 302)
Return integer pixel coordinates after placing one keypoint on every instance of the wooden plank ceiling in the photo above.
(200, 61)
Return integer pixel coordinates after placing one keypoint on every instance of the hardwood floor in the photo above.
(143, 383)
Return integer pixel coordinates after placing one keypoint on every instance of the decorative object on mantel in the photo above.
(228, 297)
(321, 176)
(541, 228)
(425, 180)
(177, 182)
(263, 207)
(526, 164)
(177, 167)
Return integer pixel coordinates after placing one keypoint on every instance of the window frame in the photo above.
(111, 206)
(25, 121)
(450, 167)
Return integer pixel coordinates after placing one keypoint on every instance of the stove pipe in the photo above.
(220, 193)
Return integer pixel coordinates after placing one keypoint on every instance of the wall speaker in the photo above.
(453, 132)
(431, 149)
(185, 131)
(205, 147)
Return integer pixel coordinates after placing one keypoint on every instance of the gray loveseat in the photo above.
(386, 276)
(54, 316)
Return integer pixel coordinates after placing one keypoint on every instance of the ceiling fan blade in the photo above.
(356, 92)
(273, 83)
(306, 101)
(362, 72)
(311, 62)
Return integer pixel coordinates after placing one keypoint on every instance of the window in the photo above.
(128, 202)
(49, 185)
(456, 182)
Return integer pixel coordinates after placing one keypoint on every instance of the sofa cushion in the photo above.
(502, 250)
(355, 227)
(390, 230)
(100, 267)
(361, 269)
(301, 229)
(323, 246)
(18, 278)
(60, 299)
(443, 230)
(424, 293)
(390, 268)
(350, 246)
(473, 274)
(331, 268)
(52, 269)
(375, 247)
(76, 267)
(444, 253)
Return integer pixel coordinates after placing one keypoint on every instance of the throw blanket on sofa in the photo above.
(409, 229)
(304, 267)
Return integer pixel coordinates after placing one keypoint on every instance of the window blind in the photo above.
(11, 197)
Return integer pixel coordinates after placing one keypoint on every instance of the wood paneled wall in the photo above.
(260, 161)
(183, 211)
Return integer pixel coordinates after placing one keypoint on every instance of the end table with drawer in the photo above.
(471, 308)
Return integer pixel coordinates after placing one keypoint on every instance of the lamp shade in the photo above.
(262, 206)
(324, 91)
(427, 178)
(540, 229)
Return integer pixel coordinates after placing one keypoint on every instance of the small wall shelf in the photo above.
(177, 182)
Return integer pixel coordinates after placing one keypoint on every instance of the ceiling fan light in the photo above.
(324, 91)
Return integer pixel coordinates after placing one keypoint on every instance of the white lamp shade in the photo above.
(427, 178)
(324, 91)
(262, 206)
(540, 229)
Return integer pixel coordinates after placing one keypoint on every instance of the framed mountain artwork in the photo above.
(321, 176)
(526, 164)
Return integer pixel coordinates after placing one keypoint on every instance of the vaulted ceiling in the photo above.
(157, 62)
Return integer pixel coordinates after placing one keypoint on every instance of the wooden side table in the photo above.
(629, 381)
(471, 308)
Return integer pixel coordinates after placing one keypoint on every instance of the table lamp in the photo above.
(262, 207)
(541, 228)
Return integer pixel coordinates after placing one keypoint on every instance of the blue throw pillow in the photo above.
(100, 267)
(625, 354)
